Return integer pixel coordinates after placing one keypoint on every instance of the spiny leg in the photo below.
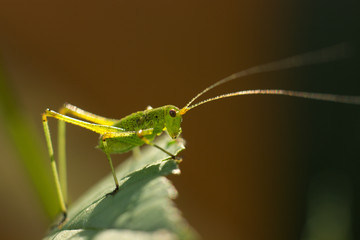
(54, 169)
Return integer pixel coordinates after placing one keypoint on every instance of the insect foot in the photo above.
(178, 159)
(63, 220)
(61, 223)
(113, 192)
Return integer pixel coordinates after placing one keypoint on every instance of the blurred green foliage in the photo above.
(23, 137)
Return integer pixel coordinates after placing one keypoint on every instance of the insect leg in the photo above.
(77, 112)
(110, 135)
(126, 134)
(160, 148)
(111, 165)
(141, 134)
(101, 129)
(98, 128)
(69, 109)
(62, 158)
(54, 169)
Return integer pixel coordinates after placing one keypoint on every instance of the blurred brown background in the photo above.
(257, 167)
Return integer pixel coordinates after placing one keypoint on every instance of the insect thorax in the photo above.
(152, 118)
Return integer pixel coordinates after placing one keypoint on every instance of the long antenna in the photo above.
(329, 54)
(309, 95)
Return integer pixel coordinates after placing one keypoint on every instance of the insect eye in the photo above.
(172, 113)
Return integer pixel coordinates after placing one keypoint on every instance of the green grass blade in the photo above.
(26, 144)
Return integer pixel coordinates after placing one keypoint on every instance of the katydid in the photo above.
(142, 127)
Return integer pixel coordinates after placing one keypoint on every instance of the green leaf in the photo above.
(142, 208)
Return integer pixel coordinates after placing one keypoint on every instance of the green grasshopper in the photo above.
(142, 127)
